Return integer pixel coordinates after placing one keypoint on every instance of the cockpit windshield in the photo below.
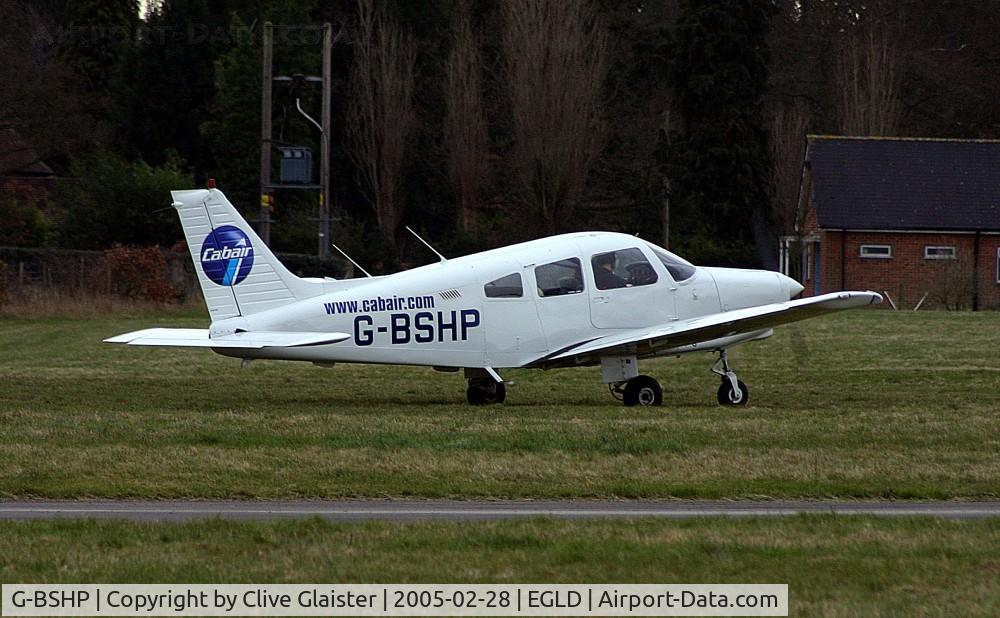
(679, 269)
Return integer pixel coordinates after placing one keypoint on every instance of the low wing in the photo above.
(645, 341)
(199, 338)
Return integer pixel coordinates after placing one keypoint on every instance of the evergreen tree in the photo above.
(638, 110)
(718, 161)
(114, 200)
(232, 134)
(96, 38)
(169, 80)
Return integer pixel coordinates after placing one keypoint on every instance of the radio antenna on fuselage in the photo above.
(443, 258)
(344, 253)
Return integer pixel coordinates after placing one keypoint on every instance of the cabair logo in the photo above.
(227, 255)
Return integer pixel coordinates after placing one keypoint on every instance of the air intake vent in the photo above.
(451, 294)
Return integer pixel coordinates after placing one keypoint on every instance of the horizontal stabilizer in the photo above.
(199, 338)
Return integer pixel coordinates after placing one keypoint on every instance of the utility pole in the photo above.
(666, 213)
(324, 167)
(267, 84)
(667, 187)
(267, 186)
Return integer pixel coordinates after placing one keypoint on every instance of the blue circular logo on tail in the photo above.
(226, 255)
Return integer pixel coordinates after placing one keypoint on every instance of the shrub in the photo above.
(112, 200)
(3, 283)
(140, 273)
(953, 285)
(24, 225)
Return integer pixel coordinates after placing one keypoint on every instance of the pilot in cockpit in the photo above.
(604, 272)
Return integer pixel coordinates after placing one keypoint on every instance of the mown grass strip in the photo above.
(834, 565)
(863, 404)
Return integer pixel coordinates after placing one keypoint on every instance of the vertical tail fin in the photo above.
(238, 273)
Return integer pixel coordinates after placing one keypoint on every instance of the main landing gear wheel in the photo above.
(732, 397)
(642, 391)
(732, 391)
(485, 391)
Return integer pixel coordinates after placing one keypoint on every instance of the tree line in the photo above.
(483, 122)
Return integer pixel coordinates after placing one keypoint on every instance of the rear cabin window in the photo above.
(679, 269)
(624, 268)
(559, 278)
(508, 286)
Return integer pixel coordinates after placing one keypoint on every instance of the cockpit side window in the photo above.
(559, 278)
(508, 286)
(624, 268)
(678, 268)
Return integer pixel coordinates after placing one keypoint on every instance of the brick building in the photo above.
(22, 175)
(917, 218)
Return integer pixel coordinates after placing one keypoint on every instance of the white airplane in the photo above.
(583, 299)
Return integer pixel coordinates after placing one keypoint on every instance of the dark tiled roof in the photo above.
(17, 157)
(905, 184)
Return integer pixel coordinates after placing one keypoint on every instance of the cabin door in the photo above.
(628, 292)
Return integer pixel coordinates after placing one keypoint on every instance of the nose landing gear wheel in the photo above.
(485, 391)
(732, 392)
(730, 397)
(642, 391)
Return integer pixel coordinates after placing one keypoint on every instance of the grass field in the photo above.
(834, 566)
(863, 404)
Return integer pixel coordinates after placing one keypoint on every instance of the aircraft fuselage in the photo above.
(507, 307)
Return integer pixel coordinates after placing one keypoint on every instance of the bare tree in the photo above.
(465, 131)
(867, 75)
(555, 56)
(787, 126)
(42, 99)
(380, 114)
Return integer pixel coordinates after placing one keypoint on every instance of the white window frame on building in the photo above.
(998, 264)
(940, 252)
(866, 252)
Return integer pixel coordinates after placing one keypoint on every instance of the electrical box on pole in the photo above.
(296, 165)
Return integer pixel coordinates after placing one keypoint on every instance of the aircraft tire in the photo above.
(485, 391)
(642, 391)
(728, 398)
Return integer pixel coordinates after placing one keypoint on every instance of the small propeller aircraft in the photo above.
(582, 299)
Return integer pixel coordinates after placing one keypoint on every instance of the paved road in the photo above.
(414, 510)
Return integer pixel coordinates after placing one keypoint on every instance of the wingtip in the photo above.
(123, 338)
